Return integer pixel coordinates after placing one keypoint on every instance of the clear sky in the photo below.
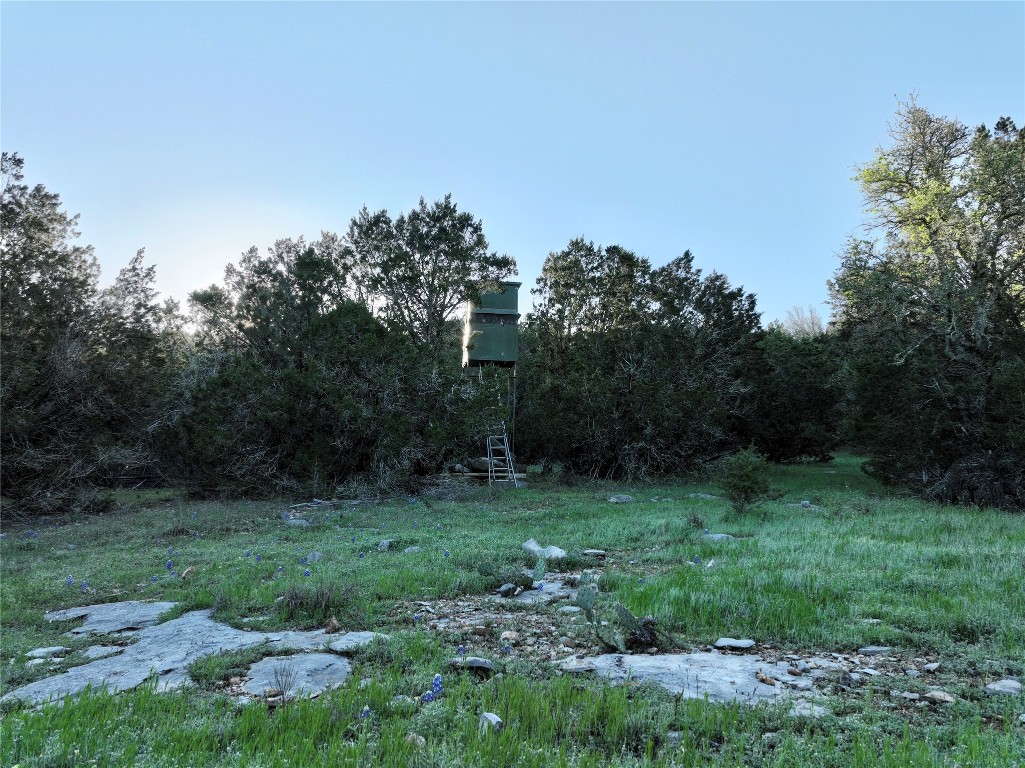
(196, 130)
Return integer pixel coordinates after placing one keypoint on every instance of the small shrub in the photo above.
(744, 480)
(313, 606)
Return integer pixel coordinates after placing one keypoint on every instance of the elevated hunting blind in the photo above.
(490, 339)
(489, 336)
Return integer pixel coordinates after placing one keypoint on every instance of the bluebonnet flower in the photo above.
(170, 551)
(70, 580)
(416, 618)
(303, 560)
(506, 649)
(85, 586)
(461, 650)
(281, 568)
(427, 697)
(247, 553)
(697, 560)
(412, 500)
(640, 581)
(169, 565)
(353, 539)
(437, 527)
(259, 558)
(415, 525)
(153, 579)
(307, 572)
(361, 554)
(436, 685)
(540, 586)
(193, 515)
(171, 574)
(197, 534)
(446, 553)
(365, 712)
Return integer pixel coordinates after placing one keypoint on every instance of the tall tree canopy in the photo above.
(295, 384)
(631, 370)
(82, 368)
(420, 268)
(933, 314)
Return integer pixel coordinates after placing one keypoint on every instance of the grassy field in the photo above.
(856, 566)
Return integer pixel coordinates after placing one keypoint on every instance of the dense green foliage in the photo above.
(84, 369)
(334, 363)
(932, 320)
(633, 370)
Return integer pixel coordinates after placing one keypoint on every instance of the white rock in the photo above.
(489, 721)
(46, 653)
(578, 665)
(550, 552)
(1004, 688)
(733, 644)
(305, 673)
(102, 651)
(353, 641)
(874, 650)
(939, 697)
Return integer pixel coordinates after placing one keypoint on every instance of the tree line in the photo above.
(336, 362)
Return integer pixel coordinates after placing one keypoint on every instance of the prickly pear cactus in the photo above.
(611, 638)
(586, 596)
(539, 570)
(627, 620)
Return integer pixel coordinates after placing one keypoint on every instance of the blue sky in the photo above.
(196, 130)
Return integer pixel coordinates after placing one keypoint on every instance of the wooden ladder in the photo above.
(500, 460)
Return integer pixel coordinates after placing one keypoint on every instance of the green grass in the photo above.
(943, 582)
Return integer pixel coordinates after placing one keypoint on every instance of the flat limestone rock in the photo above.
(353, 641)
(305, 674)
(577, 665)
(720, 677)
(102, 651)
(164, 650)
(716, 537)
(473, 664)
(107, 618)
(551, 590)
(875, 650)
(1004, 688)
(733, 644)
(46, 653)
